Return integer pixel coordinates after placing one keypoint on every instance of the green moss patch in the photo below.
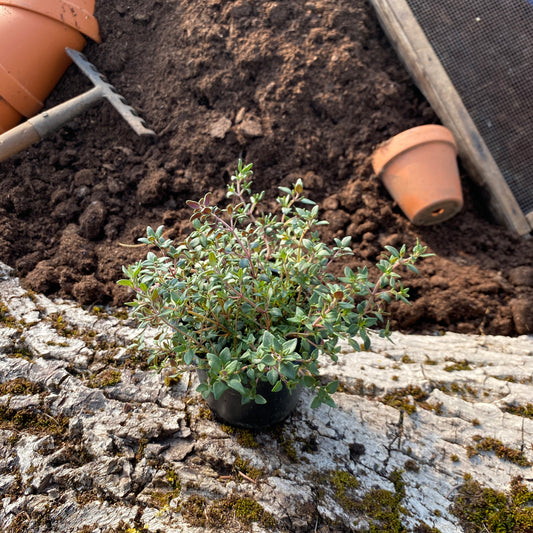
(490, 444)
(241, 465)
(458, 366)
(382, 508)
(106, 378)
(197, 511)
(162, 499)
(245, 437)
(19, 349)
(464, 390)
(193, 510)
(19, 386)
(245, 510)
(403, 399)
(35, 421)
(62, 327)
(343, 484)
(6, 319)
(520, 410)
(485, 510)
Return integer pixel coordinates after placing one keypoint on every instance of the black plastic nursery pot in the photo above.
(229, 409)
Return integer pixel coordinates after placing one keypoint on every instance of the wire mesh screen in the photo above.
(486, 48)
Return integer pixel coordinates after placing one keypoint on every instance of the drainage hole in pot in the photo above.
(438, 212)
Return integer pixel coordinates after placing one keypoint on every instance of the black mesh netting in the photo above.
(486, 47)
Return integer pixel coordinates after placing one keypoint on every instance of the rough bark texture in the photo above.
(91, 440)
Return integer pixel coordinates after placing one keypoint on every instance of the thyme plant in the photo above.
(248, 295)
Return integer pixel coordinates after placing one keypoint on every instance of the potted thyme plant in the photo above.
(248, 300)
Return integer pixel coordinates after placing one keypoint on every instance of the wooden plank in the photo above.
(415, 50)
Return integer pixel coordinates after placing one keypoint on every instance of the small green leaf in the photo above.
(278, 386)
(260, 400)
(328, 400)
(268, 340)
(272, 376)
(385, 296)
(309, 381)
(189, 356)
(225, 355)
(232, 366)
(275, 311)
(392, 251)
(290, 346)
(289, 370)
(219, 388)
(317, 402)
(236, 385)
(412, 268)
(332, 387)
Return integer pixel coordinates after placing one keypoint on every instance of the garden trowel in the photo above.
(37, 127)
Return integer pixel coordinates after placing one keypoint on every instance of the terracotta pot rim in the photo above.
(408, 139)
(64, 11)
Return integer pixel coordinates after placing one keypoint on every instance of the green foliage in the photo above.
(248, 295)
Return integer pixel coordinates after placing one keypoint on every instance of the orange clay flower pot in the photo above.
(419, 169)
(33, 37)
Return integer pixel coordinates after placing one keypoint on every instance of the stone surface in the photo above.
(106, 443)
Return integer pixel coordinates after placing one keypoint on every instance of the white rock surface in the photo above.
(133, 451)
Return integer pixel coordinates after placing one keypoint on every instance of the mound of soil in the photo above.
(301, 89)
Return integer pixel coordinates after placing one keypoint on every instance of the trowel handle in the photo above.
(39, 126)
(16, 139)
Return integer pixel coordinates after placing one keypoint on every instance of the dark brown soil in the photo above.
(301, 89)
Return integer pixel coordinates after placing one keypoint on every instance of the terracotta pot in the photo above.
(419, 169)
(41, 29)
